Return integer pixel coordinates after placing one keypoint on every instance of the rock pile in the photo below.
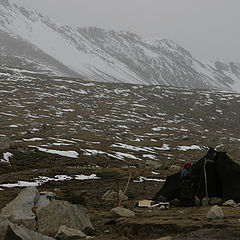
(40, 217)
(111, 195)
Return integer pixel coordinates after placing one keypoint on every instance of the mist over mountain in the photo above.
(32, 41)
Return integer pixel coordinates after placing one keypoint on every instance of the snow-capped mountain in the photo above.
(99, 55)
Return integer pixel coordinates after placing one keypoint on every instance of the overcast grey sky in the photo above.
(209, 29)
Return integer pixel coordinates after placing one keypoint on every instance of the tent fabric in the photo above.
(223, 178)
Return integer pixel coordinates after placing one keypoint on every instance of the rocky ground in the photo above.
(81, 139)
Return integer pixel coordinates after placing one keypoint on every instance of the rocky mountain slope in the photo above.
(119, 121)
(80, 139)
(99, 55)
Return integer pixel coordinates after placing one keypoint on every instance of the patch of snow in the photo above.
(133, 148)
(32, 139)
(42, 179)
(20, 184)
(186, 148)
(165, 147)
(85, 177)
(6, 157)
(142, 179)
(70, 154)
(92, 152)
(13, 126)
(126, 155)
(150, 156)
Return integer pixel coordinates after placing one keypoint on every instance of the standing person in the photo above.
(186, 186)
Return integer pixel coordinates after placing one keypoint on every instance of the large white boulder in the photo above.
(21, 208)
(215, 212)
(61, 213)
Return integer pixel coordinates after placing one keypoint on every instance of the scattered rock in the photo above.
(215, 212)
(49, 194)
(61, 213)
(205, 202)
(46, 127)
(11, 231)
(215, 201)
(163, 207)
(122, 212)
(165, 238)
(197, 201)
(230, 203)
(175, 168)
(175, 202)
(112, 195)
(4, 142)
(154, 165)
(65, 233)
(21, 208)
(185, 138)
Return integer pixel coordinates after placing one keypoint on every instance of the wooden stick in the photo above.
(125, 190)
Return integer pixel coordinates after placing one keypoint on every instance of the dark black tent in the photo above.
(222, 175)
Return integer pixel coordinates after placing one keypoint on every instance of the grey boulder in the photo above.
(21, 208)
(42, 202)
(11, 231)
(230, 203)
(61, 213)
(154, 165)
(215, 212)
(122, 212)
(175, 168)
(215, 201)
(65, 233)
(165, 238)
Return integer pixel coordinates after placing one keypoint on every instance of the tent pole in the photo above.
(205, 176)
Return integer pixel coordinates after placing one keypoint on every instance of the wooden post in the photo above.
(129, 178)
(205, 176)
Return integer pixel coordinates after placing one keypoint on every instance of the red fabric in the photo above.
(186, 163)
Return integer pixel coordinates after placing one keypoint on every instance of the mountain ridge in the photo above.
(108, 56)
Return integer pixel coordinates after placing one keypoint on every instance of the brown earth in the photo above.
(67, 114)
